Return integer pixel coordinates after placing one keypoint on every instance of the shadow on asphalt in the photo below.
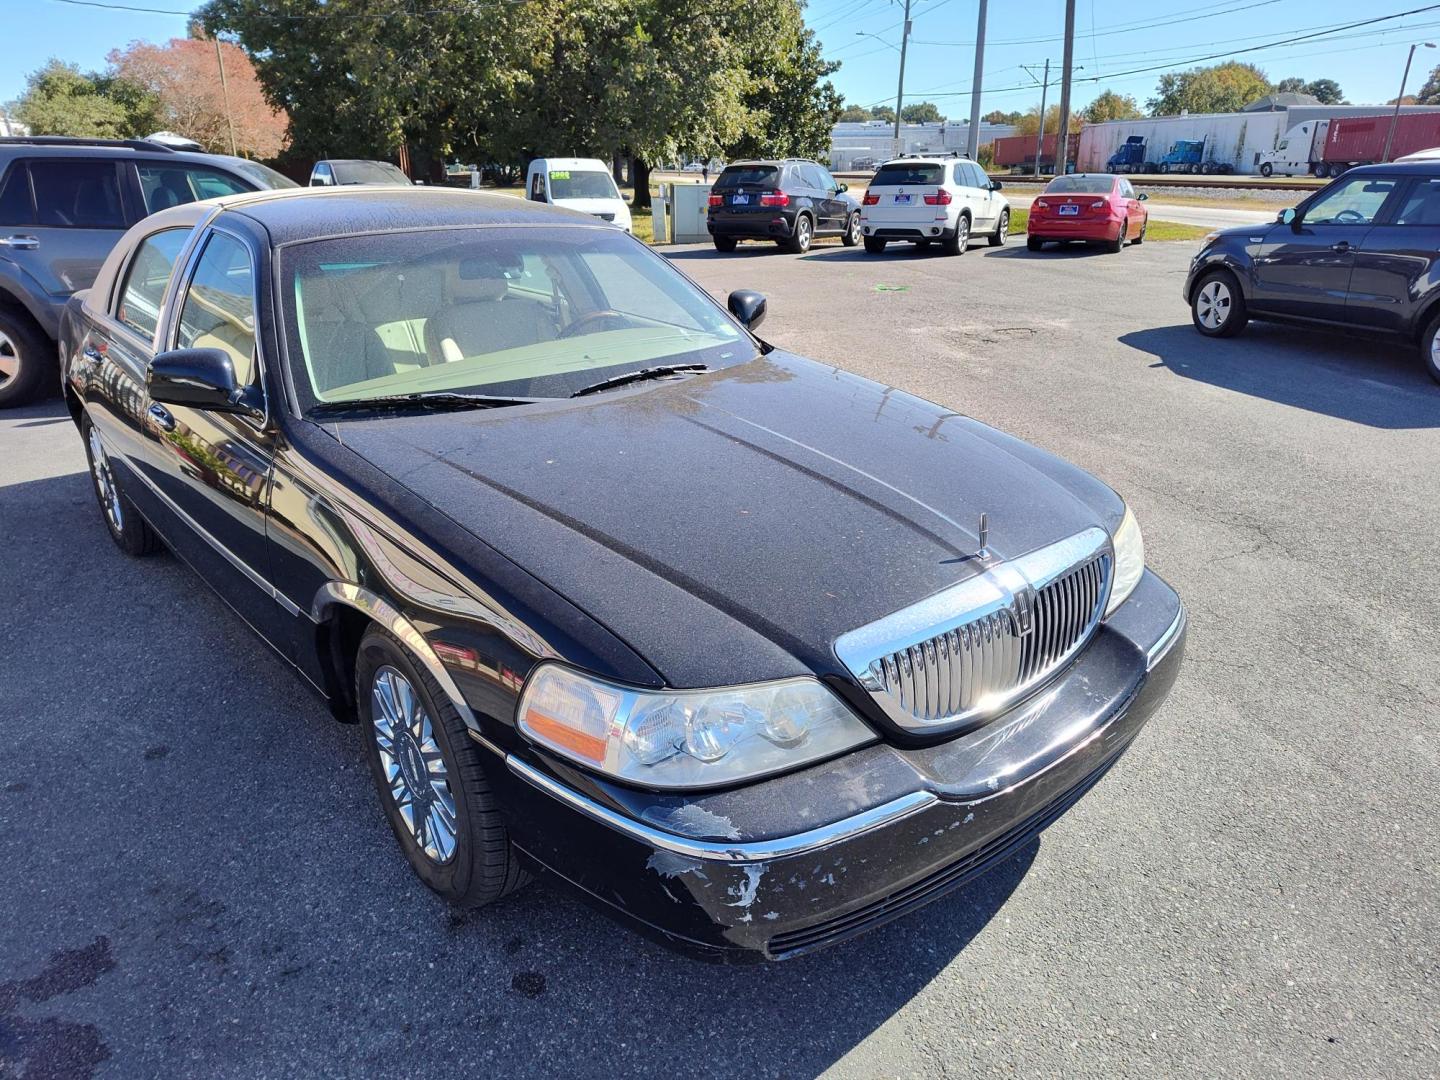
(235, 898)
(1374, 382)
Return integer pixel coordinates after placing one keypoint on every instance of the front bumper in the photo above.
(812, 858)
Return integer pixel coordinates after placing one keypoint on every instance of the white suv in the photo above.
(925, 200)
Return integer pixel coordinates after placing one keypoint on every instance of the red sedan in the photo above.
(1088, 206)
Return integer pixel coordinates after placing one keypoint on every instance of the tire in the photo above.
(1430, 348)
(956, 245)
(725, 243)
(1164, 168)
(474, 864)
(1002, 230)
(1266, 169)
(874, 245)
(1114, 247)
(27, 357)
(126, 527)
(851, 236)
(799, 242)
(1140, 238)
(1033, 243)
(1217, 307)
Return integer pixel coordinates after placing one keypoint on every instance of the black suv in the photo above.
(1362, 253)
(790, 202)
(63, 204)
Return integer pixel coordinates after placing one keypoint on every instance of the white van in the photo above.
(582, 184)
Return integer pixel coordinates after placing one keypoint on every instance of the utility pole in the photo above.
(1395, 118)
(1040, 135)
(972, 143)
(1062, 141)
(225, 92)
(900, 90)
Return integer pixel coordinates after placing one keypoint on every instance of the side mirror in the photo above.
(625, 196)
(748, 306)
(1287, 216)
(844, 187)
(1141, 197)
(996, 185)
(201, 379)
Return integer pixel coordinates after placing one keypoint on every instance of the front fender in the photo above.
(1219, 255)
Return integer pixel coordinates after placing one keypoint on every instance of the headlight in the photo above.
(1129, 560)
(686, 738)
(1208, 239)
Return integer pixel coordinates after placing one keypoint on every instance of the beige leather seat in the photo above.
(482, 316)
(341, 345)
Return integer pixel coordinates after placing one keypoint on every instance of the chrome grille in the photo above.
(980, 645)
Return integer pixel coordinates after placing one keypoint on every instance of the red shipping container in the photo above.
(1362, 138)
(1020, 149)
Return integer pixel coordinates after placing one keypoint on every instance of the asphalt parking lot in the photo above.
(199, 880)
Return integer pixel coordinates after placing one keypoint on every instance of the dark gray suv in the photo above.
(63, 204)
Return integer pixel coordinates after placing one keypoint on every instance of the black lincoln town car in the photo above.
(755, 653)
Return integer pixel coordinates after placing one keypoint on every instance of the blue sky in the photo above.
(1112, 37)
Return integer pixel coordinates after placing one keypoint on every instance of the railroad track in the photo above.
(1159, 180)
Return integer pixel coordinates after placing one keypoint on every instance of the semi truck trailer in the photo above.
(1329, 147)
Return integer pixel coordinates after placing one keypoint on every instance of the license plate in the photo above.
(1069, 209)
(903, 200)
(739, 200)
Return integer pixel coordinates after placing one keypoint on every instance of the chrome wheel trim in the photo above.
(1004, 230)
(105, 483)
(855, 228)
(9, 358)
(1212, 305)
(962, 232)
(802, 232)
(413, 765)
(1435, 351)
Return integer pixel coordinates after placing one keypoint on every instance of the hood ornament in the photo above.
(984, 550)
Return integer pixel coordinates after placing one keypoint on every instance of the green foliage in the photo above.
(59, 99)
(985, 157)
(1429, 93)
(921, 112)
(1029, 123)
(999, 116)
(1112, 106)
(1327, 90)
(1222, 88)
(854, 114)
(883, 112)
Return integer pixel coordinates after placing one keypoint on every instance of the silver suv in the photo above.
(63, 204)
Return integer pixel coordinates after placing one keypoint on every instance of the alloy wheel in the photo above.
(9, 358)
(802, 233)
(105, 483)
(1212, 305)
(1004, 230)
(962, 232)
(854, 229)
(413, 763)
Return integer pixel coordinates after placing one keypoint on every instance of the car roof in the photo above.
(751, 162)
(294, 214)
(42, 147)
(571, 163)
(1401, 168)
(927, 159)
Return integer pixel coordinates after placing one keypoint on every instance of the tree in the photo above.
(1029, 124)
(921, 112)
(1226, 87)
(61, 100)
(1430, 92)
(1112, 106)
(997, 116)
(854, 114)
(883, 112)
(1327, 90)
(184, 77)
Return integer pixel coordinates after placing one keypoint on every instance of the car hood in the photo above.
(730, 525)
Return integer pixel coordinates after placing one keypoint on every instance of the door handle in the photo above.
(24, 243)
(1342, 247)
(162, 417)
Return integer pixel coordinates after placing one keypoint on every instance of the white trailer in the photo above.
(1233, 139)
(1297, 151)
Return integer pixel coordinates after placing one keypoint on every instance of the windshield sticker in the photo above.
(560, 176)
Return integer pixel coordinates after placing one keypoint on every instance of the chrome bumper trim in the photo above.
(1167, 640)
(720, 850)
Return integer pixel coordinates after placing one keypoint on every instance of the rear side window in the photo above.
(145, 281)
(904, 172)
(749, 176)
(1422, 204)
(15, 205)
(219, 311)
(77, 194)
(167, 185)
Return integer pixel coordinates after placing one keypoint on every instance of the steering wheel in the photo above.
(603, 315)
(1349, 216)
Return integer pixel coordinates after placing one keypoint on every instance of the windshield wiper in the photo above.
(657, 372)
(433, 400)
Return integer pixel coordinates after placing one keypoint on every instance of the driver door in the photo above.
(1303, 269)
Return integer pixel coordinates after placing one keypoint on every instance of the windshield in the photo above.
(749, 176)
(513, 312)
(908, 173)
(368, 172)
(569, 184)
(261, 174)
(1080, 185)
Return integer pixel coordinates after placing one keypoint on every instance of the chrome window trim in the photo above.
(993, 589)
(728, 851)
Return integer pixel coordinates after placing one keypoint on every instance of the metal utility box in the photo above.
(687, 205)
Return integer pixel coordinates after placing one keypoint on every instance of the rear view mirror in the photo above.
(201, 379)
(748, 306)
